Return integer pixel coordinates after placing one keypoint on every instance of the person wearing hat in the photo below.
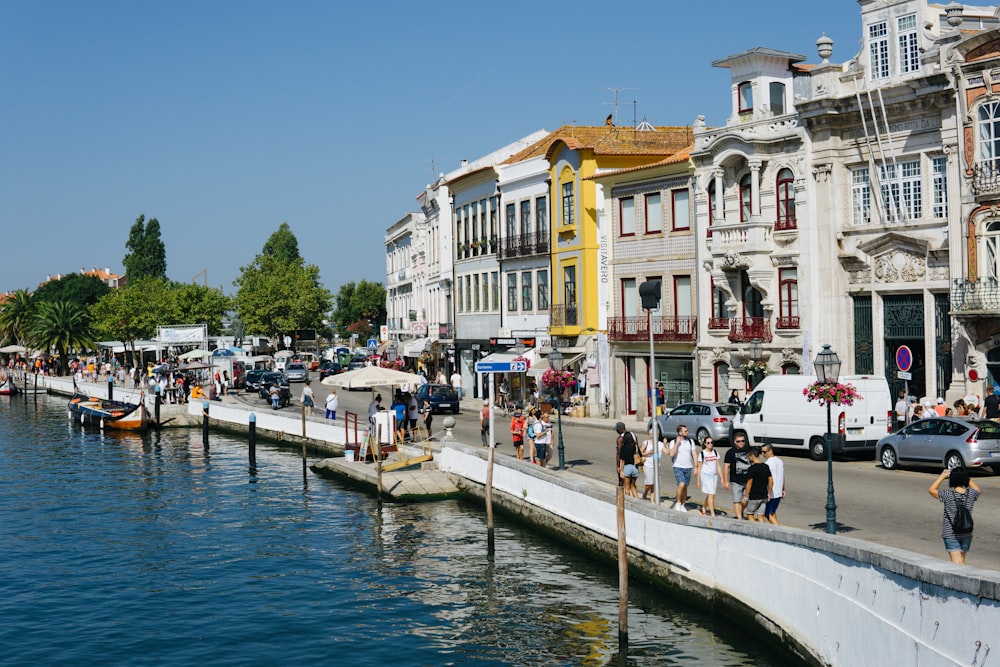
(484, 422)
(517, 429)
(940, 408)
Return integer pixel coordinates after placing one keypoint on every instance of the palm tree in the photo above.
(61, 325)
(16, 314)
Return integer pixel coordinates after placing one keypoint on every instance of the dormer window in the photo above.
(878, 50)
(745, 93)
(909, 51)
(777, 91)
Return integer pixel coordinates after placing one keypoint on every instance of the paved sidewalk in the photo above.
(472, 405)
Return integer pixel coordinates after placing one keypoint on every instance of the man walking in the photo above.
(456, 383)
(777, 467)
(901, 408)
(682, 451)
(991, 405)
(759, 485)
(484, 423)
(735, 471)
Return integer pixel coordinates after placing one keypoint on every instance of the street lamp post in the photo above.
(649, 292)
(756, 352)
(827, 370)
(556, 362)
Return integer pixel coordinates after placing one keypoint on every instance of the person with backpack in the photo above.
(627, 457)
(683, 451)
(958, 501)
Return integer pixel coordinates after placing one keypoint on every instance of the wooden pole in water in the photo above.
(378, 461)
(303, 434)
(622, 573)
(111, 388)
(156, 407)
(253, 441)
(489, 499)
(204, 423)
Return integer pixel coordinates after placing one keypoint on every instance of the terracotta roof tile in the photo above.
(611, 140)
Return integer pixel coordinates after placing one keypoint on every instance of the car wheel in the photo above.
(954, 460)
(888, 458)
(701, 435)
(817, 448)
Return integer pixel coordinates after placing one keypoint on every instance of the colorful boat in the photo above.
(109, 414)
(7, 387)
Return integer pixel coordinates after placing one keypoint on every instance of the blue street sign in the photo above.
(904, 358)
(501, 366)
(373, 344)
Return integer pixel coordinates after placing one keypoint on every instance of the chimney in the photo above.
(465, 163)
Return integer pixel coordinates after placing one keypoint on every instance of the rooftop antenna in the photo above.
(615, 103)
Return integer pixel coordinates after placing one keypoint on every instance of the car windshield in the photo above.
(443, 392)
(728, 410)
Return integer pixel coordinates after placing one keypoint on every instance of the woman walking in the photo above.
(709, 469)
(963, 493)
(332, 403)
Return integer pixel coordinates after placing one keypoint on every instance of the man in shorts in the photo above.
(777, 467)
(682, 451)
(758, 490)
(734, 472)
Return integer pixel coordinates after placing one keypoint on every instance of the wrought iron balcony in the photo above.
(718, 323)
(664, 328)
(524, 245)
(976, 297)
(786, 224)
(563, 316)
(986, 178)
(745, 329)
(788, 323)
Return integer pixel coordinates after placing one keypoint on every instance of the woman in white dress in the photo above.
(709, 469)
(649, 468)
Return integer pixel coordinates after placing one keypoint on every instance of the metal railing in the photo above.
(664, 328)
(787, 323)
(986, 178)
(982, 296)
(718, 323)
(563, 316)
(745, 329)
(523, 245)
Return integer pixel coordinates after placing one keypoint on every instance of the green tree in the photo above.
(278, 292)
(133, 312)
(190, 303)
(358, 303)
(75, 288)
(61, 326)
(15, 316)
(283, 245)
(146, 256)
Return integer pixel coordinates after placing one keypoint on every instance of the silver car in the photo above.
(943, 441)
(296, 371)
(702, 420)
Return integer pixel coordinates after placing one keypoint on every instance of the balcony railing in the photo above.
(979, 296)
(563, 316)
(986, 178)
(787, 323)
(475, 249)
(523, 245)
(745, 329)
(743, 237)
(786, 224)
(664, 328)
(718, 323)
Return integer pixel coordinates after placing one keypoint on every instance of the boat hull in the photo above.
(8, 388)
(109, 414)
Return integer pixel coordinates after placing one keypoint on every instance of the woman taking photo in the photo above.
(962, 492)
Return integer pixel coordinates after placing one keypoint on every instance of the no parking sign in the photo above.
(904, 358)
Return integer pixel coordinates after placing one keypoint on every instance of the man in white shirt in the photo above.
(682, 451)
(777, 467)
(901, 407)
(456, 382)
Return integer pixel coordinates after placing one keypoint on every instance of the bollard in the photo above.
(253, 441)
(156, 409)
(111, 388)
(204, 424)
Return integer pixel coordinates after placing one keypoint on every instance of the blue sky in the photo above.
(225, 119)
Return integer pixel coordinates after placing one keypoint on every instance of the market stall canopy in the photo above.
(194, 366)
(12, 349)
(370, 376)
(537, 370)
(416, 347)
(194, 354)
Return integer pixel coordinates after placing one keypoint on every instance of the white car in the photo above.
(296, 371)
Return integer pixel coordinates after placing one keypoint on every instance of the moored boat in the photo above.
(109, 414)
(7, 386)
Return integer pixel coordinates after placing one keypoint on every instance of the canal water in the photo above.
(122, 549)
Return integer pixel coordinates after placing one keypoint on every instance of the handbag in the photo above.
(962, 523)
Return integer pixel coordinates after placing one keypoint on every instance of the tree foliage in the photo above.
(61, 326)
(190, 303)
(358, 303)
(278, 292)
(146, 256)
(132, 313)
(15, 316)
(75, 288)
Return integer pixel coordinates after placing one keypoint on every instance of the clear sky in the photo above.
(223, 119)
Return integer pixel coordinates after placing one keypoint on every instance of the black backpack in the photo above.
(962, 523)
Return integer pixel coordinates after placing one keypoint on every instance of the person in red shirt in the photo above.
(517, 434)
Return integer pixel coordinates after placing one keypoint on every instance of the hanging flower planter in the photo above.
(558, 381)
(754, 368)
(834, 394)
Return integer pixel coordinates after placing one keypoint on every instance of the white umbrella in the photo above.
(195, 354)
(11, 349)
(370, 376)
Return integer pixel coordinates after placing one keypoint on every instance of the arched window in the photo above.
(788, 298)
(745, 198)
(753, 303)
(785, 191)
(991, 249)
(790, 369)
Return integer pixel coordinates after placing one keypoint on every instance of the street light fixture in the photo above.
(391, 354)
(827, 371)
(556, 361)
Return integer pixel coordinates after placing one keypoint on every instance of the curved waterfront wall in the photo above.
(833, 600)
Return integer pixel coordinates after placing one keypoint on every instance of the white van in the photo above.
(282, 357)
(777, 413)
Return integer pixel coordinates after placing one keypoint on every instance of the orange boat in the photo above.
(109, 414)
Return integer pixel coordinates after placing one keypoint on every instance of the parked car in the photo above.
(943, 441)
(330, 368)
(275, 377)
(296, 371)
(442, 396)
(356, 363)
(702, 419)
(252, 382)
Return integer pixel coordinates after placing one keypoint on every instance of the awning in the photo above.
(538, 369)
(416, 347)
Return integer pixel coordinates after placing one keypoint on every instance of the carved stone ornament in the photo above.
(715, 355)
(734, 260)
(860, 276)
(899, 267)
(789, 356)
